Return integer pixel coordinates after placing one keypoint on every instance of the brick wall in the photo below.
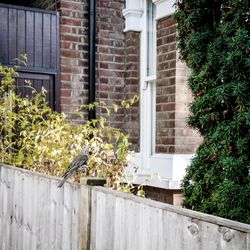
(170, 196)
(172, 96)
(117, 68)
(117, 62)
(165, 86)
(117, 73)
(186, 139)
(110, 57)
(132, 80)
(74, 55)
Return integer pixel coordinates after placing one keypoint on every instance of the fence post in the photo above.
(85, 209)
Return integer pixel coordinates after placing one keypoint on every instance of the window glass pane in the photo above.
(153, 115)
(150, 38)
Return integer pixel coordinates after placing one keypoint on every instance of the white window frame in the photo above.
(170, 167)
(147, 84)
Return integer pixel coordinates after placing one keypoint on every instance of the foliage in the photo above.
(133, 188)
(33, 136)
(214, 40)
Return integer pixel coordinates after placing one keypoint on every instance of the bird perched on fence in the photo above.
(79, 164)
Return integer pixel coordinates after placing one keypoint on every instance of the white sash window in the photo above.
(142, 15)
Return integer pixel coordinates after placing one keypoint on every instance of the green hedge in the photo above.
(214, 41)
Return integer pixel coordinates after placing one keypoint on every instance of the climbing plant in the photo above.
(214, 41)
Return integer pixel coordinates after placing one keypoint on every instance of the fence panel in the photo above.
(36, 214)
(125, 222)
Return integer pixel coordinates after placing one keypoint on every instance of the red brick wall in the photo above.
(117, 62)
(186, 139)
(117, 68)
(110, 56)
(132, 81)
(165, 86)
(172, 96)
(74, 55)
(117, 73)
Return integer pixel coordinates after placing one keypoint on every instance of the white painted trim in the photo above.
(180, 162)
(133, 15)
(150, 78)
(170, 167)
(144, 96)
(164, 8)
(134, 4)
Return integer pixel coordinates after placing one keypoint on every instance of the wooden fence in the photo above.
(35, 214)
(121, 221)
(36, 33)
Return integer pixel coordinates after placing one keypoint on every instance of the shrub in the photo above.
(33, 136)
(214, 40)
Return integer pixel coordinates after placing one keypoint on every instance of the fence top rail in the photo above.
(29, 172)
(181, 211)
(10, 6)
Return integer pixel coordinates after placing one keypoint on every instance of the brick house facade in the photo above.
(135, 54)
(166, 144)
(117, 61)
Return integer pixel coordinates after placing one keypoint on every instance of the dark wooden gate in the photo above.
(36, 33)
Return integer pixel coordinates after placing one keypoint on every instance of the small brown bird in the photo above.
(78, 165)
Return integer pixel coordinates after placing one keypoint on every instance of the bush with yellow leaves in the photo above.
(34, 137)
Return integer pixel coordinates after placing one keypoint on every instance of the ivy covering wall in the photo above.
(214, 41)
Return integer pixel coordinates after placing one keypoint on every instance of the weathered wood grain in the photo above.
(119, 224)
(126, 222)
(84, 217)
(36, 214)
(93, 225)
